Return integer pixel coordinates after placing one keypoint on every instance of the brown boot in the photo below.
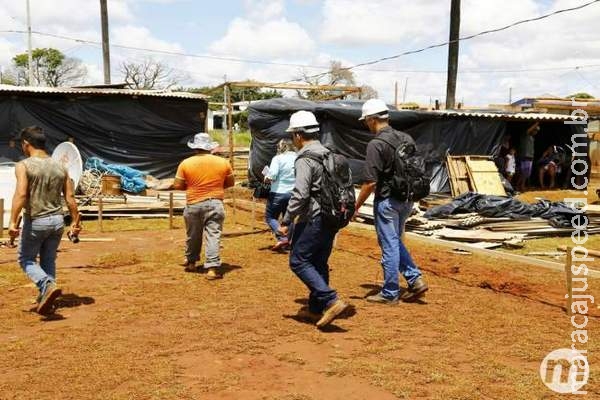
(415, 292)
(189, 266)
(47, 301)
(331, 313)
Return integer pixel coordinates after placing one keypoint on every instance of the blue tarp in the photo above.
(132, 180)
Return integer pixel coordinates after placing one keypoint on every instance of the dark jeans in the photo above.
(311, 247)
(276, 205)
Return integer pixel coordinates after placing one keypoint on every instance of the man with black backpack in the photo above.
(396, 172)
(319, 213)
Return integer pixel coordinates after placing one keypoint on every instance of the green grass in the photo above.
(240, 138)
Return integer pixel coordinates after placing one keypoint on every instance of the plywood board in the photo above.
(485, 177)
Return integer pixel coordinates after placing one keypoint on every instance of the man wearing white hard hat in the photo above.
(204, 177)
(390, 213)
(312, 240)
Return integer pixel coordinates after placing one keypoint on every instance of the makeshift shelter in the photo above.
(437, 133)
(143, 129)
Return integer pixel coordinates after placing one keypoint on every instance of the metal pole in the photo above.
(105, 41)
(405, 90)
(509, 96)
(396, 95)
(453, 54)
(29, 54)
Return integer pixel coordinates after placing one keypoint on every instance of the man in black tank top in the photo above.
(41, 185)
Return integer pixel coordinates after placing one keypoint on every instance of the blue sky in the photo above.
(533, 59)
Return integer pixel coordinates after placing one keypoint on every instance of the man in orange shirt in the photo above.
(205, 178)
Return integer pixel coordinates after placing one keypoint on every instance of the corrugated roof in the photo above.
(100, 92)
(506, 115)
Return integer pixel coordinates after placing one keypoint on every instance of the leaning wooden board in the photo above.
(485, 177)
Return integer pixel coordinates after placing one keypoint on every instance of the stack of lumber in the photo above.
(134, 206)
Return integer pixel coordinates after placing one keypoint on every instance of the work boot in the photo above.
(381, 299)
(310, 316)
(331, 313)
(47, 301)
(189, 266)
(213, 274)
(415, 291)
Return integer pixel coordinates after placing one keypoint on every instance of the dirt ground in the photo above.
(132, 325)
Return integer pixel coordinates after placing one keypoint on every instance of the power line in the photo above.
(356, 66)
(486, 32)
(249, 61)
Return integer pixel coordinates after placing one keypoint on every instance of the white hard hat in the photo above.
(374, 107)
(304, 120)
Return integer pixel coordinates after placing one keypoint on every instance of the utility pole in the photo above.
(396, 95)
(453, 54)
(29, 55)
(510, 96)
(105, 41)
(405, 89)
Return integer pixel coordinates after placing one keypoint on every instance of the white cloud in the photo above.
(264, 33)
(139, 36)
(381, 22)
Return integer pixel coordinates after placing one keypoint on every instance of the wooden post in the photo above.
(1, 217)
(170, 210)
(453, 49)
(569, 275)
(231, 145)
(100, 209)
(253, 213)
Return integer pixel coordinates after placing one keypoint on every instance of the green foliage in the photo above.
(580, 95)
(237, 94)
(50, 67)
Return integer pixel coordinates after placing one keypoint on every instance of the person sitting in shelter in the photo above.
(281, 176)
(204, 177)
(549, 165)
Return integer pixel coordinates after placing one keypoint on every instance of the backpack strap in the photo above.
(386, 141)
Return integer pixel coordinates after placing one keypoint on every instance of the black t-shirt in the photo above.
(379, 163)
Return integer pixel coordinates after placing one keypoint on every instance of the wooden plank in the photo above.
(485, 177)
(569, 275)
(478, 235)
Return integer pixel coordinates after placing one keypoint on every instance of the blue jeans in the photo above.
(311, 247)
(276, 205)
(40, 236)
(390, 216)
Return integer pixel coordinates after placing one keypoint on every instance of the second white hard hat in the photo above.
(374, 107)
(304, 120)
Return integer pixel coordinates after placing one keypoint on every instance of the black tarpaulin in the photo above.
(437, 134)
(559, 213)
(342, 132)
(148, 133)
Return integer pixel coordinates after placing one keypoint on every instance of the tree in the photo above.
(336, 76)
(50, 68)
(149, 74)
(7, 78)
(580, 95)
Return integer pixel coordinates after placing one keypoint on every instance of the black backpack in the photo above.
(410, 180)
(337, 197)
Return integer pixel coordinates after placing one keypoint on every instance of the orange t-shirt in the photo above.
(204, 175)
